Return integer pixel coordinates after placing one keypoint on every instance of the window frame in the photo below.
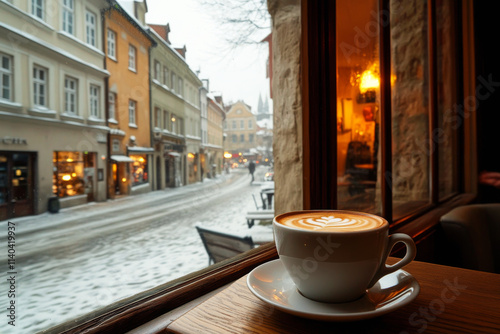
(166, 76)
(68, 11)
(38, 83)
(112, 106)
(38, 5)
(132, 58)
(94, 101)
(157, 70)
(317, 49)
(132, 113)
(7, 72)
(111, 44)
(68, 92)
(90, 28)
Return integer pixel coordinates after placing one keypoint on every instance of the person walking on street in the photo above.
(251, 169)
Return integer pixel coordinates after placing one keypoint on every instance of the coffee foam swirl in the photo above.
(334, 222)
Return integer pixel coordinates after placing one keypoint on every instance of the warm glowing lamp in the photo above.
(228, 155)
(66, 177)
(124, 180)
(369, 81)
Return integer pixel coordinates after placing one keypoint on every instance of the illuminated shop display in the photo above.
(68, 174)
(139, 169)
(73, 173)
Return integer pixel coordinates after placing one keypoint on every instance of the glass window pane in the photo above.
(446, 134)
(410, 107)
(357, 106)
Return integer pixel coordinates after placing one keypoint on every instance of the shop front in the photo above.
(141, 169)
(40, 162)
(17, 184)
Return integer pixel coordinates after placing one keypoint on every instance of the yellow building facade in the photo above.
(127, 48)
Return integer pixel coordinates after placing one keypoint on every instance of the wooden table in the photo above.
(451, 300)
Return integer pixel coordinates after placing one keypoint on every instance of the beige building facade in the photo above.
(53, 133)
(215, 136)
(240, 128)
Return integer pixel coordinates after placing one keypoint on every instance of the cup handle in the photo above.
(411, 251)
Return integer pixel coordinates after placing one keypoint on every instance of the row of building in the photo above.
(95, 103)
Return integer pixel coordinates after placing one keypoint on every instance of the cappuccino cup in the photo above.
(334, 256)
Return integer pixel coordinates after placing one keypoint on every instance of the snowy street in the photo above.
(86, 257)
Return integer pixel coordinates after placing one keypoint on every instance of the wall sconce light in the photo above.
(369, 82)
(172, 119)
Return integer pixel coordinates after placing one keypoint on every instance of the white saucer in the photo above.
(271, 283)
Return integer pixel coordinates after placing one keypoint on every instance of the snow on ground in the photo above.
(56, 286)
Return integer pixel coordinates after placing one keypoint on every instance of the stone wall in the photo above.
(287, 103)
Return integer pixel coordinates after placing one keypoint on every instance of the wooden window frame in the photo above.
(319, 93)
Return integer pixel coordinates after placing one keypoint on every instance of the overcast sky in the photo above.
(240, 74)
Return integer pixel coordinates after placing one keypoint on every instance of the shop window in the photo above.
(139, 169)
(68, 177)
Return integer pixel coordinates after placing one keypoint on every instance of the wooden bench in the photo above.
(221, 246)
(252, 216)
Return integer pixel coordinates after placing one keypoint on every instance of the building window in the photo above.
(242, 124)
(181, 87)
(94, 101)
(234, 124)
(68, 16)
(111, 44)
(40, 86)
(166, 121)
(174, 82)
(112, 106)
(91, 28)
(116, 146)
(173, 122)
(157, 68)
(165, 76)
(38, 8)
(250, 138)
(132, 112)
(234, 138)
(70, 96)
(242, 138)
(250, 124)
(158, 118)
(6, 77)
(132, 52)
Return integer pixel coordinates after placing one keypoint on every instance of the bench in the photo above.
(252, 216)
(221, 246)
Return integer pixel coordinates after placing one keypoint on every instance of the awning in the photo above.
(139, 149)
(174, 154)
(121, 158)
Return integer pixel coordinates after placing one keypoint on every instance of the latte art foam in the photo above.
(331, 221)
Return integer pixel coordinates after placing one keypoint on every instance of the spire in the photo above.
(260, 107)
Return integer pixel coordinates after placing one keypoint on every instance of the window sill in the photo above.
(112, 121)
(71, 117)
(80, 43)
(158, 307)
(42, 112)
(10, 104)
(95, 121)
(132, 125)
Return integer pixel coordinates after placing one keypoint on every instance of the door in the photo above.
(16, 184)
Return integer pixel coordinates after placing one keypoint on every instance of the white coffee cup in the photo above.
(334, 256)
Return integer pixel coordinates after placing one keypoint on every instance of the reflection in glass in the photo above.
(358, 82)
